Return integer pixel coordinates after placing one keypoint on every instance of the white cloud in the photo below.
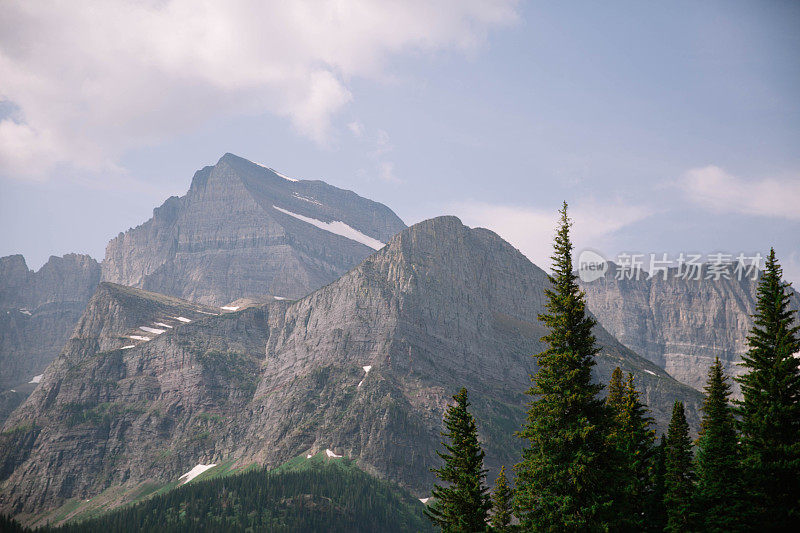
(356, 128)
(386, 172)
(93, 79)
(532, 230)
(711, 187)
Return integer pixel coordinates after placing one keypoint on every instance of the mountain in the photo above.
(363, 367)
(244, 230)
(680, 325)
(37, 313)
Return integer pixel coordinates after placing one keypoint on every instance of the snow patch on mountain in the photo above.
(155, 331)
(287, 178)
(337, 227)
(196, 471)
(36, 379)
(331, 454)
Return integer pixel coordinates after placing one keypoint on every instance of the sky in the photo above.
(668, 127)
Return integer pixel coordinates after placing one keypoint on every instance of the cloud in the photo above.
(90, 80)
(356, 128)
(386, 172)
(713, 188)
(531, 230)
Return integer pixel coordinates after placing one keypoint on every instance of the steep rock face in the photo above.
(680, 325)
(38, 311)
(244, 230)
(122, 402)
(364, 366)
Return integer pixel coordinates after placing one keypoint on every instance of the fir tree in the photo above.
(656, 514)
(463, 505)
(770, 409)
(501, 504)
(679, 476)
(632, 436)
(616, 392)
(563, 479)
(719, 480)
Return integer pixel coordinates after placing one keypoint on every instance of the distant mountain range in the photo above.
(258, 318)
(242, 231)
(149, 386)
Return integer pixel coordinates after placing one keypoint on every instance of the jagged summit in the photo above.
(244, 230)
(38, 311)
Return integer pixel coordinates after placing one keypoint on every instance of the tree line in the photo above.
(594, 464)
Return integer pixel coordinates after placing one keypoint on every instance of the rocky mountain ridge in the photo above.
(37, 313)
(363, 367)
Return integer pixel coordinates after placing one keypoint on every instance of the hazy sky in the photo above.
(669, 127)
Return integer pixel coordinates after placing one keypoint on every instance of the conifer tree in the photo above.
(656, 514)
(563, 478)
(501, 504)
(463, 504)
(616, 392)
(770, 408)
(679, 476)
(719, 481)
(632, 436)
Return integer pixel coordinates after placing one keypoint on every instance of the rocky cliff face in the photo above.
(364, 366)
(38, 311)
(244, 230)
(680, 325)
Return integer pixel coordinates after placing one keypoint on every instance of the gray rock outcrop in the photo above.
(38, 311)
(680, 325)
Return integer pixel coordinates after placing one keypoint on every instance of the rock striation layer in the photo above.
(243, 230)
(680, 325)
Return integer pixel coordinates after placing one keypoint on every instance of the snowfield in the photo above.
(196, 471)
(155, 331)
(36, 379)
(338, 228)
(332, 454)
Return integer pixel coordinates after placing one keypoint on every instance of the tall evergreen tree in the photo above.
(632, 436)
(679, 476)
(501, 504)
(563, 478)
(770, 408)
(616, 392)
(656, 514)
(719, 481)
(463, 505)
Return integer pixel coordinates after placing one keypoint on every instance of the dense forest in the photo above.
(325, 495)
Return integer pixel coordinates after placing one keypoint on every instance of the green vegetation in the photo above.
(563, 480)
(719, 478)
(770, 409)
(320, 495)
(464, 504)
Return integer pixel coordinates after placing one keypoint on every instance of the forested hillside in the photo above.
(307, 495)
